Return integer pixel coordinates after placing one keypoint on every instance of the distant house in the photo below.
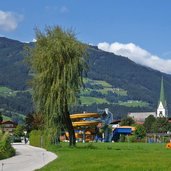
(140, 116)
(8, 126)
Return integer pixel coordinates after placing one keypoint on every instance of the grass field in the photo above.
(90, 100)
(111, 157)
(134, 104)
(6, 118)
(103, 83)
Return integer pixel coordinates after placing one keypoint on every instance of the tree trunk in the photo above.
(68, 123)
(70, 129)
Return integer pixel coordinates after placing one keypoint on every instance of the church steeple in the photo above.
(162, 95)
(162, 107)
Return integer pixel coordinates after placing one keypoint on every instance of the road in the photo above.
(27, 158)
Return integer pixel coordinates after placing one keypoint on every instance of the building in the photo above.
(139, 117)
(162, 111)
(162, 106)
(8, 126)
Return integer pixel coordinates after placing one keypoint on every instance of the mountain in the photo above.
(113, 81)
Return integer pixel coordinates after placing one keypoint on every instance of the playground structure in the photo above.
(124, 130)
(87, 126)
(96, 127)
(84, 125)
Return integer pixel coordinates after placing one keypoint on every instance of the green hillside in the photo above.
(112, 81)
(98, 91)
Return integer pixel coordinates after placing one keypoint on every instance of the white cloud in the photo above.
(34, 40)
(9, 20)
(138, 55)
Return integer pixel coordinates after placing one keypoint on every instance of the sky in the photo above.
(137, 29)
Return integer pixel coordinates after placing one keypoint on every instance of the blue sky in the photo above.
(139, 27)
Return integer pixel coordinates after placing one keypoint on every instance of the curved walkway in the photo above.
(27, 158)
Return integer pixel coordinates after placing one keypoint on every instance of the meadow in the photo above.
(110, 156)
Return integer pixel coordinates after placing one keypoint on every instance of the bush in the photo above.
(40, 138)
(6, 150)
(132, 138)
(35, 138)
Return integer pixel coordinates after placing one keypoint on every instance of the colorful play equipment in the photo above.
(125, 130)
(131, 127)
(84, 115)
(84, 125)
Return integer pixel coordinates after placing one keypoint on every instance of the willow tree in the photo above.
(58, 62)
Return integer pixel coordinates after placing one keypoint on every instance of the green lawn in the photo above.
(111, 156)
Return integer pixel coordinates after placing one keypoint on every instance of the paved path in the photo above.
(27, 158)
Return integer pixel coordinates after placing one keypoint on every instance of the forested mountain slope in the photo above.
(121, 84)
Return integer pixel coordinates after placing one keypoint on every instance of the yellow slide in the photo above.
(79, 117)
(84, 115)
(85, 123)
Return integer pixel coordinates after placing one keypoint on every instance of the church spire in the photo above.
(162, 107)
(162, 95)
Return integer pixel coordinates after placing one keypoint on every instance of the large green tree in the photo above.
(58, 63)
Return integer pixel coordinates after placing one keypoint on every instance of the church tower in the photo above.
(162, 107)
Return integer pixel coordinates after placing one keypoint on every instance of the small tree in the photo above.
(148, 123)
(34, 121)
(29, 122)
(140, 132)
(19, 131)
(128, 121)
(161, 125)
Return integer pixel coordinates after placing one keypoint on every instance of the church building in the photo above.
(162, 107)
(162, 111)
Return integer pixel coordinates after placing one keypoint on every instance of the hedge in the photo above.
(40, 138)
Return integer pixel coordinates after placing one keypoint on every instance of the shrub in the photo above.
(40, 138)
(35, 138)
(6, 150)
(132, 138)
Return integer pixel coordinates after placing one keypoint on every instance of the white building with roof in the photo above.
(140, 116)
